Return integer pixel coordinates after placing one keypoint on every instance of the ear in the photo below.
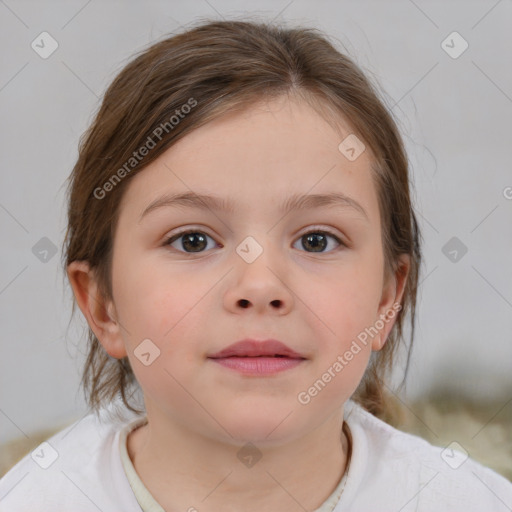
(99, 312)
(392, 293)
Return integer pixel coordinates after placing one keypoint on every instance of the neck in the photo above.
(184, 470)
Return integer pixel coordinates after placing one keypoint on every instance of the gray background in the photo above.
(454, 113)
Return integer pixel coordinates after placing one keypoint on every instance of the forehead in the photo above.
(257, 158)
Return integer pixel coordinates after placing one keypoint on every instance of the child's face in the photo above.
(193, 304)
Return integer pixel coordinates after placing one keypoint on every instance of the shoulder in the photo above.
(431, 477)
(79, 467)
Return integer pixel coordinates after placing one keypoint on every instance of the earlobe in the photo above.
(391, 298)
(99, 312)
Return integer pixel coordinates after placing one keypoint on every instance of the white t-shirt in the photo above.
(85, 468)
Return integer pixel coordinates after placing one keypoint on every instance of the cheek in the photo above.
(167, 312)
(159, 307)
(344, 348)
(343, 303)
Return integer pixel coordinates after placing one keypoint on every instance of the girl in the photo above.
(242, 243)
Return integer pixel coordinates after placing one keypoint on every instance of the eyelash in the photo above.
(177, 236)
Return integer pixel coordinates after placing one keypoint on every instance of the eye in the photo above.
(318, 240)
(194, 241)
(189, 241)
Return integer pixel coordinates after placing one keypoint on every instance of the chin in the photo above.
(260, 428)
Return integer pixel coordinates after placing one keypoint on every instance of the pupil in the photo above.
(191, 245)
(317, 245)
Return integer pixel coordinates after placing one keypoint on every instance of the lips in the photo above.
(253, 348)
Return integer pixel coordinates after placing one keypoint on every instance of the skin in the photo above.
(189, 305)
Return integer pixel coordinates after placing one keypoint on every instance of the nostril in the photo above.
(244, 303)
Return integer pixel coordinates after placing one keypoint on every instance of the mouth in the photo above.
(253, 348)
(252, 357)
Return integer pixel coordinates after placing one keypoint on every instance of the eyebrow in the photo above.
(215, 203)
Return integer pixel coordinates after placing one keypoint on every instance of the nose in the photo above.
(260, 286)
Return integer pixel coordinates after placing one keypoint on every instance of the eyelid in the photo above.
(308, 229)
(318, 227)
(325, 229)
(179, 232)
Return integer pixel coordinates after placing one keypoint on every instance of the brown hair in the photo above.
(213, 68)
